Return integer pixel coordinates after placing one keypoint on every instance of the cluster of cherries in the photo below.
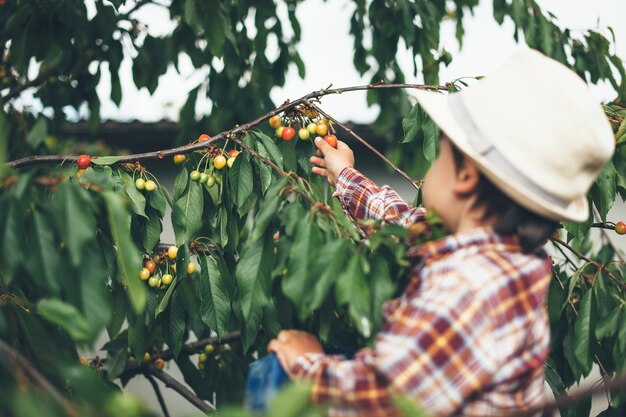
(308, 127)
(204, 355)
(149, 271)
(216, 158)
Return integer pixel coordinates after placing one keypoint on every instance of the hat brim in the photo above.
(438, 108)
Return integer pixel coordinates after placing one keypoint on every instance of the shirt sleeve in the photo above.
(438, 352)
(361, 198)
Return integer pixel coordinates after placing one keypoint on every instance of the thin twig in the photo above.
(591, 261)
(157, 392)
(413, 182)
(172, 383)
(223, 135)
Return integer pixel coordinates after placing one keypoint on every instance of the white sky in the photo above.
(486, 46)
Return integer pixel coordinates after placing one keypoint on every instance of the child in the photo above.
(470, 335)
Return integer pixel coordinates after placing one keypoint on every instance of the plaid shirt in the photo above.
(468, 337)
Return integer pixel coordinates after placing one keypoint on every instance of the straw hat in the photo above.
(534, 129)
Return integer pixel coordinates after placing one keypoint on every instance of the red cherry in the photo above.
(331, 140)
(620, 228)
(288, 133)
(83, 161)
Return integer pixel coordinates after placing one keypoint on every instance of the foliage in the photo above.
(273, 248)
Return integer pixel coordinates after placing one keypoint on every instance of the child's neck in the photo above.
(470, 219)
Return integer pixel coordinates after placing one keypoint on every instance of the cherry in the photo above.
(150, 185)
(83, 161)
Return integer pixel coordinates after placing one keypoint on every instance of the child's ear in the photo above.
(467, 179)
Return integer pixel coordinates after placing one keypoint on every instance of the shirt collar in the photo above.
(483, 237)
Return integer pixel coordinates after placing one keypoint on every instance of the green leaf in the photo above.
(4, 134)
(191, 205)
(181, 183)
(215, 304)
(241, 179)
(265, 172)
(408, 406)
(182, 261)
(11, 233)
(77, 222)
(128, 257)
(582, 334)
(37, 133)
(352, 289)
(176, 323)
(268, 210)
(327, 267)
(290, 159)
(605, 189)
(136, 198)
(382, 287)
(553, 378)
(66, 316)
(157, 200)
(191, 15)
(94, 295)
(166, 298)
(431, 139)
(44, 259)
(621, 336)
(137, 334)
(306, 244)
(272, 150)
(115, 363)
(153, 229)
(216, 27)
(254, 279)
(412, 124)
(292, 401)
(608, 325)
(118, 312)
(105, 160)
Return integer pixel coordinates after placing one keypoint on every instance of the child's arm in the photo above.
(439, 352)
(360, 197)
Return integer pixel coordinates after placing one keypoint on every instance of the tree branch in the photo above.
(195, 347)
(617, 383)
(157, 392)
(41, 78)
(414, 183)
(11, 358)
(172, 383)
(223, 135)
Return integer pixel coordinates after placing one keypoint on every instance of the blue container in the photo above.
(265, 377)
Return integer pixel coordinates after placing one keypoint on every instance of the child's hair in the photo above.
(509, 217)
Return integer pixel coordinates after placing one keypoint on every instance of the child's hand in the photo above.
(289, 344)
(332, 160)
